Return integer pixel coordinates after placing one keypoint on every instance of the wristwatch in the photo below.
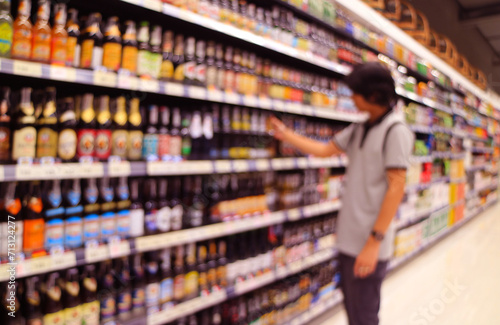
(378, 236)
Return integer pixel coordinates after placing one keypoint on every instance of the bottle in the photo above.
(90, 302)
(191, 279)
(186, 135)
(34, 223)
(203, 271)
(177, 211)
(51, 299)
(122, 195)
(107, 218)
(175, 135)
(178, 58)
(214, 144)
(229, 74)
(143, 49)
(119, 136)
(47, 132)
(112, 46)
(208, 134)
(123, 289)
(164, 134)
(222, 264)
(32, 301)
(73, 222)
(23, 32)
(67, 142)
(167, 66)
(53, 213)
(73, 50)
(86, 128)
(136, 210)
(150, 142)
(107, 294)
(212, 266)
(135, 135)
(179, 274)
(103, 133)
(201, 66)
(42, 33)
(196, 212)
(152, 283)
(138, 284)
(190, 61)
(129, 44)
(211, 68)
(90, 210)
(196, 135)
(151, 208)
(71, 298)
(5, 124)
(155, 56)
(59, 38)
(24, 140)
(167, 282)
(225, 132)
(91, 43)
(219, 64)
(164, 212)
(6, 29)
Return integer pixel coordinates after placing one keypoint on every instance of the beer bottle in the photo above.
(53, 213)
(175, 135)
(59, 36)
(151, 208)
(86, 128)
(214, 143)
(144, 49)
(119, 136)
(211, 68)
(107, 294)
(11, 314)
(5, 124)
(229, 73)
(71, 298)
(47, 133)
(226, 132)
(201, 66)
(185, 134)
(91, 44)
(167, 282)
(150, 143)
(32, 309)
(40, 50)
(6, 29)
(222, 264)
(238, 71)
(178, 58)
(24, 141)
(51, 299)
(164, 134)
(103, 134)
(179, 274)
(177, 211)
(203, 271)
(219, 65)
(67, 143)
(73, 51)
(167, 66)
(155, 56)
(73, 222)
(138, 285)
(112, 46)
(122, 195)
(12, 205)
(107, 218)
(123, 289)
(90, 302)
(23, 32)
(129, 53)
(91, 210)
(136, 210)
(208, 134)
(212, 265)
(134, 147)
(164, 212)
(196, 210)
(190, 61)
(33, 220)
(196, 135)
(152, 283)
(191, 280)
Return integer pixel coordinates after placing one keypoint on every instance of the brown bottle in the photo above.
(51, 299)
(5, 124)
(47, 132)
(87, 128)
(66, 149)
(112, 47)
(103, 134)
(167, 66)
(119, 137)
(72, 44)
(91, 44)
(59, 41)
(23, 32)
(24, 142)
(129, 43)
(135, 136)
(42, 33)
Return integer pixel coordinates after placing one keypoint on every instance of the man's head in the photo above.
(372, 86)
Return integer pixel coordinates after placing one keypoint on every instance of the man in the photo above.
(379, 152)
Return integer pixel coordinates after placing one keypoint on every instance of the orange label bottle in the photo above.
(59, 36)
(22, 37)
(42, 33)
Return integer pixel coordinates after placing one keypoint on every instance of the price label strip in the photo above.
(154, 5)
(106, 79)
(119, 248)
(28, 69)
(63, 73)
(215, 95)
(63, 261)
(96, 254)
(197, 92)
(119, 168)
(150, 86)
(174, 89)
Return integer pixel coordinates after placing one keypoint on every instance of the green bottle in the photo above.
(5, 29)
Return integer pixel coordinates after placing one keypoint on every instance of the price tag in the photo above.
(62, 73)
(201, 167)
(307, 110)
(119, 248)
(92, 170)
(106, 79)
(262, 165)
(265, 102)
(147, 243)
(63, 261)
(250, 101)
(240, 166)
(295, 267)
(119, 168)
(223, 166)
(302, 163)
(277, 164)
(150, 86)
(152, 4)
(294, 108)
(314, 210)
(197, 92)
(68, 170)
(96, 254)
(2, 173)
(174, 89)
(232, 97)
(38, 265)
(288, 163)
(279, 105)
(29, 69)
(293, 214)
(214, 95)
(127, 82)
(4, 272)
(26, 172)
(49, 172)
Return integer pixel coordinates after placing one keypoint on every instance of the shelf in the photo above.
(420, 216)
(475, 192)
(482, 150)
(318, 309)
(423, 186)
(448, 155)
(119, 81)
(473, 169)
(421, 129)
(423, 100)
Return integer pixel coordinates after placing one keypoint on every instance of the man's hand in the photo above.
(278, 128)
(366, 262)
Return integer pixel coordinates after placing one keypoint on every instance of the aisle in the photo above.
(456, 282)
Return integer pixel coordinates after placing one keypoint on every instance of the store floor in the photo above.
(456, 282)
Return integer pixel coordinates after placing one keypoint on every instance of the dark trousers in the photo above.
(361, 296)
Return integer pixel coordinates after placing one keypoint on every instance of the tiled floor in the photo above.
(456, 282)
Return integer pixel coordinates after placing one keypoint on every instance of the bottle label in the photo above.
(41, 47)
(211, 76)
(56, 318)
(5, 38)
(54, 233)
(46, 143)
(119, 141)
(167, 70)
(163, 145)
(90, 313)
(221, 79)
(87, 48)
(108, 307)
(179, 287)
(58, 52)
(135, 145)
(112, 56)
(24, 143)
(164, 216)
(4, 143)
(152, 294)
(136, 222)
(103, 144)
(86, 141)
(190, 70)
(91, 227)
(35, 321)
(201, 73)
(142, 63)
(124, 302)
(195, 217)
(123, 223)
(96, 57)
(21, 44)
(66, 148)
(186, 146)
(73, 232)
(191, 284)
(138, 297)
(176, 217)
(108, 224)
(151, 220)
(175, 145)
(229, 80)
(73, 316)
(166, 290)
(129, 60)
(150, 147)
(155, 65)
(179, 73)
(34, 231)
(71, 44)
